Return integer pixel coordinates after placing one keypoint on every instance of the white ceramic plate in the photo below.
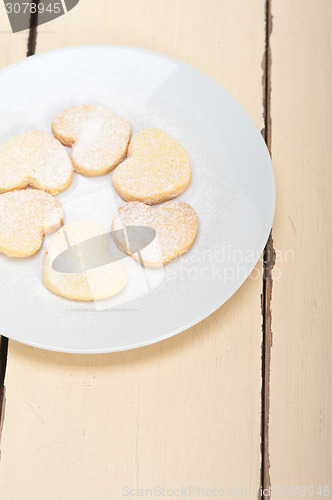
(232, 190)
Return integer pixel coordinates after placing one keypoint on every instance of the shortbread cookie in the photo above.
(34, 159)
(99, 137)
(95, 283)
(157, 168)
(25, 218)
(175, 223)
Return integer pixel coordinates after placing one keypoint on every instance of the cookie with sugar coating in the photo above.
(157, 168)
(99, 138)
(34, 159)
(91, 283)
(25, 218)
(175, 223)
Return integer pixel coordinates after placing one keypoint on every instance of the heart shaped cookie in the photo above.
(175, 223)
(85, 283)
(157, 168)
(99, 137)
(25, 218)
(34, 159)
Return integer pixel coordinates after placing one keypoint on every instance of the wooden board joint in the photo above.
(31, 49)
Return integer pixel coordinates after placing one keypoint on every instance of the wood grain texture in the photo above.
(13, 46)
(301, 396)
(182, 412)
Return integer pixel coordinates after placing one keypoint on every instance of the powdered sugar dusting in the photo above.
(92, 284)
(34, 159)
(25, 218)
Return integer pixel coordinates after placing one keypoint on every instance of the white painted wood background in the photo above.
(187, 411)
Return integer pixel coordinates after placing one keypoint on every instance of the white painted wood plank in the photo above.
(301, 395)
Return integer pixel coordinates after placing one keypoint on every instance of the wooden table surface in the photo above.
(243, 399)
